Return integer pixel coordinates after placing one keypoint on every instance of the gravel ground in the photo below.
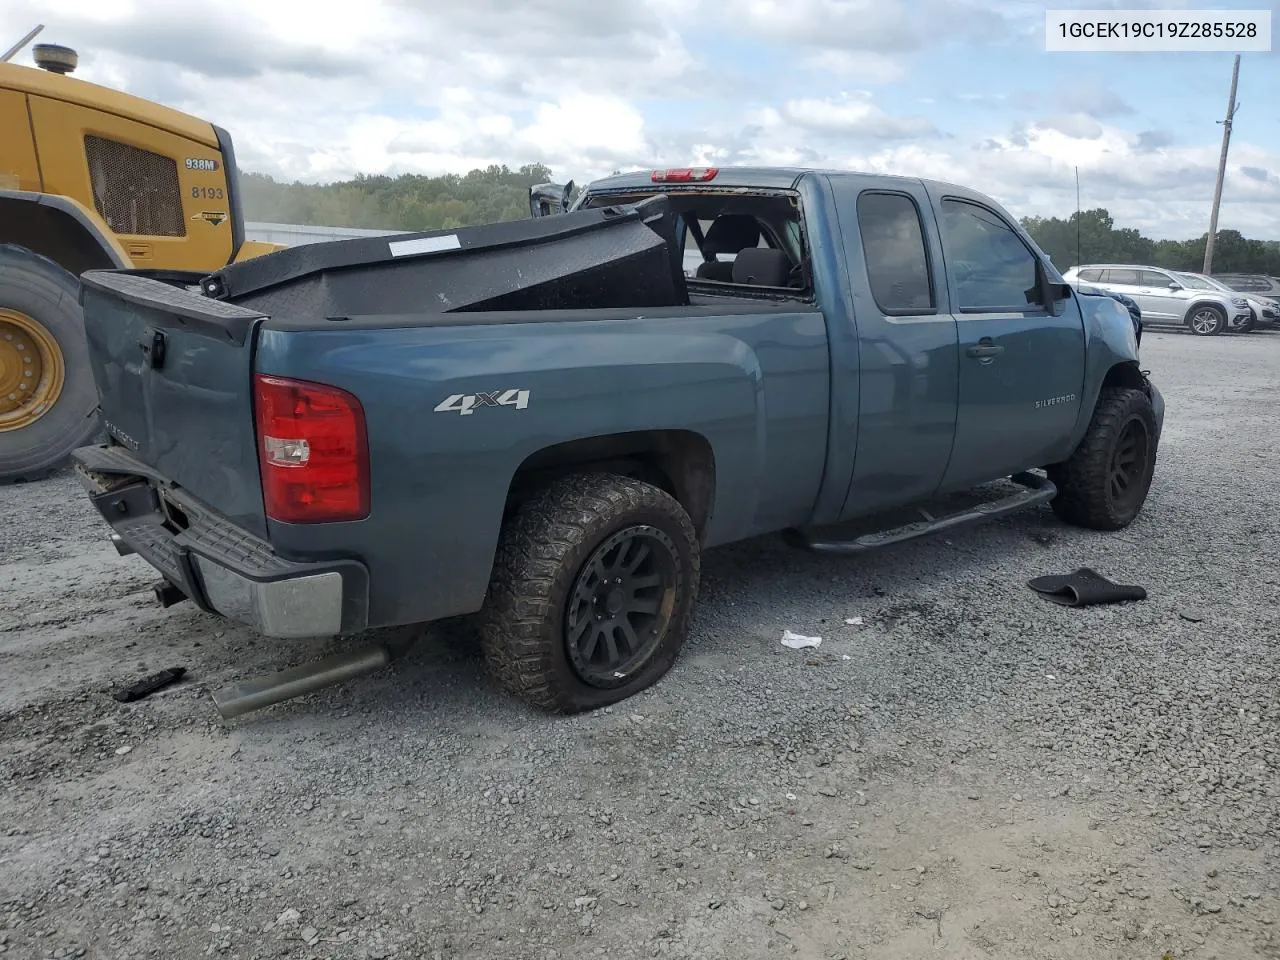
(969, 772)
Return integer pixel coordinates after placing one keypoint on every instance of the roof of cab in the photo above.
(768, 178)
(42, 83)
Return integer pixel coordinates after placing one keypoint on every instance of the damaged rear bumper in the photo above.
(217, 565)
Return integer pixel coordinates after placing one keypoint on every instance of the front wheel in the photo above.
(592, 591)
(1104, 484)
(1208, 321)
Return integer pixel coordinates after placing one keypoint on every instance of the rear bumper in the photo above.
(218, 566)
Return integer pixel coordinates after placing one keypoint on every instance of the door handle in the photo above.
(985, 348)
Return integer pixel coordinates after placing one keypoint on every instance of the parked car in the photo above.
(1165, 300)
(1255, 285)
(546, 422)
(1263, 312)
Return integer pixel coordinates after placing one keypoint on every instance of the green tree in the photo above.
(404, 202)
(1100, 241)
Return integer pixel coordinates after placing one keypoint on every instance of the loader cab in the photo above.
(160, 183)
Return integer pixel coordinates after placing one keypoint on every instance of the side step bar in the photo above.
(1039, 490)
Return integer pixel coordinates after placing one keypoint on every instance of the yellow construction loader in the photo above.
(90, 177)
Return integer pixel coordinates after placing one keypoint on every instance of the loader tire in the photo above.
(48, 400)
(1104, 484)
(592, 592)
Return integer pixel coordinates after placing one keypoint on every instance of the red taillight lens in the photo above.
(313, 451)
(684, 175)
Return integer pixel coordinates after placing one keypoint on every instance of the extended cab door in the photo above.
(906, 343)
(1021, 367)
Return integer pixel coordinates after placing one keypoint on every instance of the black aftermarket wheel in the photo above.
(1105, 483)
(592, 591)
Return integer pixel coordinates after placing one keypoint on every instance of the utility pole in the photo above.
(1222, 169)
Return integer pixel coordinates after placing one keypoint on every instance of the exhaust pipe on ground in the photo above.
(248, 695)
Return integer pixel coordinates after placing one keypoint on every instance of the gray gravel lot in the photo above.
(971, 772)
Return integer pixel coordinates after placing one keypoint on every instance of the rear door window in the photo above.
(894, 248)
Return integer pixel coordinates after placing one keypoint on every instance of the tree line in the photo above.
(416, 202)
(405, 202)
(1100, 241)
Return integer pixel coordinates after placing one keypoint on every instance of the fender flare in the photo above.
(57, 217)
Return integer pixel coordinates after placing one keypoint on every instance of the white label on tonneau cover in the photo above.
(404, 248)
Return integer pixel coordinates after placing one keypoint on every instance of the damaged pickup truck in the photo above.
(545, 422)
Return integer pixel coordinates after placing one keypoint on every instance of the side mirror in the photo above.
(1049, 293)
(1175, 286)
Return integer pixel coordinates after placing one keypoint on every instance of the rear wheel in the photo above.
(1104, 484)
(592, 591)
(1207, 321)
(48, 400)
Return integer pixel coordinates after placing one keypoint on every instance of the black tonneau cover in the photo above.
(616, 256)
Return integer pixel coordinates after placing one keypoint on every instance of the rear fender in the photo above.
(60, 228)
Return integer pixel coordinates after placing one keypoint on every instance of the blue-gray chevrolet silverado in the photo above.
(544, 422)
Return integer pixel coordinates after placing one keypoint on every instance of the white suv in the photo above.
(1164, 299)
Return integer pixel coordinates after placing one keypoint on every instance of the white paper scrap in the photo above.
(796, 642)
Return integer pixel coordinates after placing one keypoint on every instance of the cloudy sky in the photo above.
(317, 90)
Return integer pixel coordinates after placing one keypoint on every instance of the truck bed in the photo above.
(606, 257)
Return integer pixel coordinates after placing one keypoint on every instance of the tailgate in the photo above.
(174, 375)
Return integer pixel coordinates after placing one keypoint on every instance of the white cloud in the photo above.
(870, 25)
(866, 65)
(319, 90)
(851, 115)
(1165, 193)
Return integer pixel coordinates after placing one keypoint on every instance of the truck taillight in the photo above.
(313, 451)
(684, 175)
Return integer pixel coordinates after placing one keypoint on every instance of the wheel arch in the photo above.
(1198, 304)
(681, 462)
(1126, 373)
(61, 229)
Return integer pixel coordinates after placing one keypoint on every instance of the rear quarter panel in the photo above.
(754, 386)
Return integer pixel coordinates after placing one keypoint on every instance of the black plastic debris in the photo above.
(149, 685)
(1084, 588)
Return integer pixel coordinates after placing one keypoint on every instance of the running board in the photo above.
(1039, 490)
